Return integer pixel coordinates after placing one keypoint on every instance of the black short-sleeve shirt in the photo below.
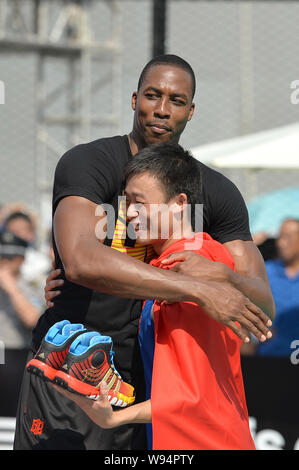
(95, 171)
(225, 215)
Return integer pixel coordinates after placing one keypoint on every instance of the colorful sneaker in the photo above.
(89, 362)
(53, 349)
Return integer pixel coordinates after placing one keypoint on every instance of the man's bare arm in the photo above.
(250, 276)
(89, 263)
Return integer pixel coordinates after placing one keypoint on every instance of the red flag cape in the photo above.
(197, 396)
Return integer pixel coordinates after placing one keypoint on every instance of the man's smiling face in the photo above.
(147, 210)
(163, 105)
(154, 217)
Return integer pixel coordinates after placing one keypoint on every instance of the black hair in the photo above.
(175, 168)
(18, 215)
(291, 219)
(169, 59)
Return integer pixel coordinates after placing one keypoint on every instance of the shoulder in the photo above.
(112, 144)
(77, 154)
(224, 207)
(94, 170)
(216, 251)
(220, 195)
(213, 179)
(110, 148)
(103, 159)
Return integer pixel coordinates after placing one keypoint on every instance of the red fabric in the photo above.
(197, 397)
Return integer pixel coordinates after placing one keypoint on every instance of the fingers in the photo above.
(49, 298)
(180, 256)
(259, 313)
(53, 275)
(103, 398)
(246, 334)
(256, 321)
(246, 326)
(51, 284)
(257, 329)
(51, 294)
(178, 268)
(240, 332)
(254, 325)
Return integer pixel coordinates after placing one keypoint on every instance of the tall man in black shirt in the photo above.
(104, 287)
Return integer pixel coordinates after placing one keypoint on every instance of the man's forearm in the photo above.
(257, 290)
(106, 270)
(27, 313)
(250, 276)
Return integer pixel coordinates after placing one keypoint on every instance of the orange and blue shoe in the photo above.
(53, 349)
(88, 363)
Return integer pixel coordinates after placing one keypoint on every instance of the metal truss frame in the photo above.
(60, 29)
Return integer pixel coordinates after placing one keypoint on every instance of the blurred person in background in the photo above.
(266, 245)
(34, 270)
(283, 275)
(22, 225)
(18, 316)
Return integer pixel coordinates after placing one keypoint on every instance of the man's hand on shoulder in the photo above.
(226, 302)
(229, 306)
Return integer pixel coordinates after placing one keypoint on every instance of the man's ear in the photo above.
(191, 112)
(134, 100)
(181, 199)
(179, 204)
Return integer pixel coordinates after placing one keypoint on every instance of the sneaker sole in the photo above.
(41, 370)
(77, 386)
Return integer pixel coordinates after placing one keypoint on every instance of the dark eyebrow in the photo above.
(156, 90)
(179, 95)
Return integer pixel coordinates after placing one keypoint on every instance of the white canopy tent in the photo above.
(273, 149)
(276, 149)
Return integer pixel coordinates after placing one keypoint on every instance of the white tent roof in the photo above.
(276, 148)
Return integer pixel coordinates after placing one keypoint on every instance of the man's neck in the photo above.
(135, 142)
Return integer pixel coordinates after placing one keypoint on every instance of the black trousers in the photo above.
(46, 420)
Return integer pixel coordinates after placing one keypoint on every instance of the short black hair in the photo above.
(169, 59)
(175, 168)
(18, 215)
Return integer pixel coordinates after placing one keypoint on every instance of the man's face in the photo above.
(288, 241)
(151, 217)
(22, 228)
(163, 104)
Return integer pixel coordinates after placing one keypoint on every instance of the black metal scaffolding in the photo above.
(159, 27)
